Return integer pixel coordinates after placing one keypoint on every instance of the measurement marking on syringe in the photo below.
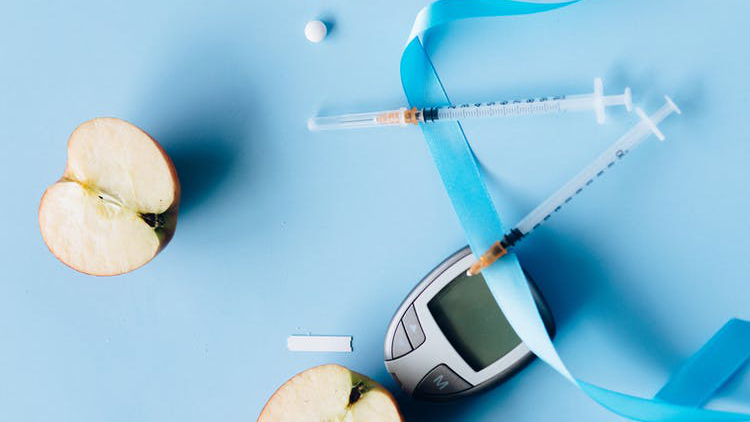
(619, 154)
(518, 108)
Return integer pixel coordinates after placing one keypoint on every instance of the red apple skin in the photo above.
(171, 213)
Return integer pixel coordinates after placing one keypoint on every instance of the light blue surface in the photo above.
(472, 202)
(199, 333)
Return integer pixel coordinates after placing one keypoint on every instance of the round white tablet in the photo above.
(315, 31)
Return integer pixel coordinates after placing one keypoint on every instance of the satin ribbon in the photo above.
(459, 170)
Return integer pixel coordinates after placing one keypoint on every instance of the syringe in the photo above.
(596, 101)
(607, 159)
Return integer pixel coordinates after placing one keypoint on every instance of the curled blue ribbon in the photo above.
(459, 171)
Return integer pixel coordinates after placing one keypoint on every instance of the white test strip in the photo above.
(319, 343)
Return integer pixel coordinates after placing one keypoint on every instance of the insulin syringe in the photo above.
(595, 101)
(596, 168)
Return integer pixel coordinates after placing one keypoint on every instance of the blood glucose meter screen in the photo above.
(472, 321)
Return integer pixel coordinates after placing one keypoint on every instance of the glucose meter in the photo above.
(450, 339)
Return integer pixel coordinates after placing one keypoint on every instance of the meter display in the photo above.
(472, 321)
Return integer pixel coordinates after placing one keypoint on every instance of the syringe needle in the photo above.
(596, 168)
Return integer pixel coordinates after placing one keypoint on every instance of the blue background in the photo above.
(640, 270)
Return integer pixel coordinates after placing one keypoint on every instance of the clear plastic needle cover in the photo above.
(595, 101)
(359, 120)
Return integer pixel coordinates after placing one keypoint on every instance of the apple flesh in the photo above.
(115, 206)
(330, 393)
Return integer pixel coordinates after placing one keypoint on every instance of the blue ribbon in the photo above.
(474, 207)
(709, 368)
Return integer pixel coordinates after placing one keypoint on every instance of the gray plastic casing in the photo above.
(410, 369)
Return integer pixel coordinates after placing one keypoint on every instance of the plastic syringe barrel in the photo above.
(595, 101)
(607, 159)
(502, 109)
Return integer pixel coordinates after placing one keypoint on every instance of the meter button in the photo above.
(401, 344)
(413, 329)
(441, 381)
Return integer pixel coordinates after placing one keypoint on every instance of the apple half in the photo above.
(330, 393)
(115, 206)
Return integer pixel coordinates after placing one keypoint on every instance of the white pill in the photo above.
(315, 31)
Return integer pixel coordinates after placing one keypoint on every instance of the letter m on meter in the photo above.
(440, 382)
